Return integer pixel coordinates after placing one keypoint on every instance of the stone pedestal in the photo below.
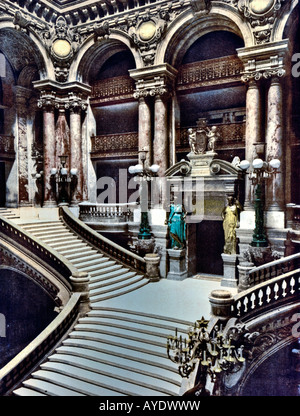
(177, 265)
(152, 267)
(220, 302)
(229, 270)
(201, 163)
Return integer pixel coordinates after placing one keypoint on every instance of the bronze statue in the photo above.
(230, 215)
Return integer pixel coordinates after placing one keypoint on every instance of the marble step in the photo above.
(116, 372)
(118, 292)
(87, 260)
(76, 253)
(60, 239)
(116, 271)
(119, 382)
(122, 283)
(76, 384)
(116, 359)
(78, 243)
(24, 391)
(49, 389)
(119, 277)
(159, 360)
(123, 340)
(49, 233)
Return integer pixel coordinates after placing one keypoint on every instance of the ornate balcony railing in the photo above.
(209, 72)
(102, 212)
(112, 89)
(114, 144)
(102, 243)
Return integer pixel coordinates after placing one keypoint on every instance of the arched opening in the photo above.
(27, 309)
(20, 138)
(209, 89)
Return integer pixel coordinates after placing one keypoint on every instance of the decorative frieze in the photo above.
(112, 89)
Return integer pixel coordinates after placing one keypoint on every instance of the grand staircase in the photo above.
(111, 351)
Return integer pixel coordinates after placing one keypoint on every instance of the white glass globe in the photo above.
(258, 163)
(131, 169)
(244, 164)
(63, 171)
(74, 171)
(275, 163)
(138, 168)
(154, 168)
(53, 171)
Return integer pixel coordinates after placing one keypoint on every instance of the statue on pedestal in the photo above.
(230, 215)
(177, 227)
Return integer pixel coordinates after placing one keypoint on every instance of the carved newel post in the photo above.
(152, 267)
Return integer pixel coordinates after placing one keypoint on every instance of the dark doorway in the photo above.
(209, 247)
(2, 184)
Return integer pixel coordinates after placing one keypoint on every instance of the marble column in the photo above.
(76, 153)
(22, 96)
(274, 145)
(253, 133)
(160, 142)
(49, 154)
(145, 129)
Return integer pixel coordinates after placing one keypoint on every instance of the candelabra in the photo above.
(63, 181)
(216, 350)
(145, 175)
(260, 172)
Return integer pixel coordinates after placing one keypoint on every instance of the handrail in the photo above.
(279, 290)
(107, 246)
(16, 370)
(274, 268)
(88, 210)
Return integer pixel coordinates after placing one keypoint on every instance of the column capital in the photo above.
(154, 81)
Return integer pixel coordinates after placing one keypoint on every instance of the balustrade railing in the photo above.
(95, 212)
(102, 243)
(271, 293)
(273, 269)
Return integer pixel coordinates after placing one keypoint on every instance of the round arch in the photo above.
(31, 54)
(287, 21)
(184, 31)
(82, 67)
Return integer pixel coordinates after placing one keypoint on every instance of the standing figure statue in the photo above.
(212, 136)
(230, 215)
(192, 140)
(176, 224)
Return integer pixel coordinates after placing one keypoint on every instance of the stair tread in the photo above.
(102, 276)
(120, 277)
(49, 388)
(123, 341)
(24, 391)
(111, 285)
(97, 378)
(117, 358)
(120, 350)
(121, 371)
(118, 292)
(78, 385)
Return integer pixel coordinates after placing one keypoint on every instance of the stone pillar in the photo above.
(49, 145)
(22, 97)
(145, 142)
(253, 133)
(76, 153)
(152, 267)
(274, 145)
(220, 302)
(160, 143)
